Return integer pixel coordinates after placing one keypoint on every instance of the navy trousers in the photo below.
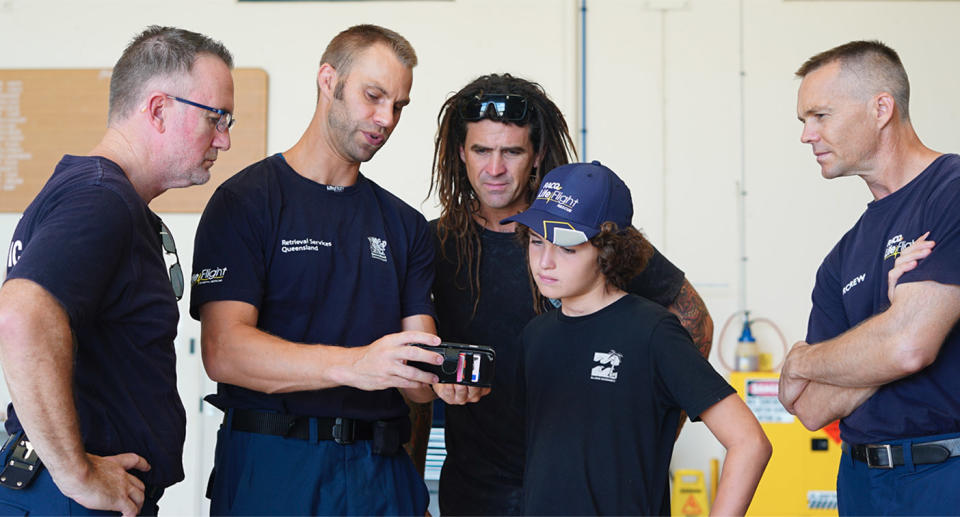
(910, 489)
(257, 474)
(43, 497)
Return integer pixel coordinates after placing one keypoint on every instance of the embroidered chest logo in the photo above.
(895, 247)
(378, 248)
(606, 370)
(306, 244)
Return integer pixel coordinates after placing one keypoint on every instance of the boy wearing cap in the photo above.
(604, 378)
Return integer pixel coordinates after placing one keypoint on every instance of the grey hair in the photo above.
(157, 52)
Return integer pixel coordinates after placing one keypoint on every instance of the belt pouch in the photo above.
(22, 465)
(386, 437)
(390, 435)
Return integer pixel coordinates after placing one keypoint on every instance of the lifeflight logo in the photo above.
(553, 191)
(209, 276)
(895, 246)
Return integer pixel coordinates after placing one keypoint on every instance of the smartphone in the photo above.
(471, 365)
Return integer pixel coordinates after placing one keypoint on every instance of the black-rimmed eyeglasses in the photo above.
(496, 106)
(176, 273)
(225, 121)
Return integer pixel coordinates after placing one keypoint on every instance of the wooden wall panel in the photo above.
(45, 114)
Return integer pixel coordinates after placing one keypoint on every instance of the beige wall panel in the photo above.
(45, 114)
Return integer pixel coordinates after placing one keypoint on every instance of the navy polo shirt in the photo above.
(322, 264)
(92, 243)
(852, 286)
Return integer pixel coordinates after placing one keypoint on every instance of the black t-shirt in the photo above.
(483, 470)
(602, 395)
(322, 264)
(93, 243)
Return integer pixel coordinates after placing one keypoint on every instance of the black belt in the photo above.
(341, 430)
(886, 456)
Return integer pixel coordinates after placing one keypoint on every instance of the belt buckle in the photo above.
(884, 447)
(344, 431)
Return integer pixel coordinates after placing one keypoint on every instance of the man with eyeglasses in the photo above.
(323, 283)
(88, 312)
(498, 136)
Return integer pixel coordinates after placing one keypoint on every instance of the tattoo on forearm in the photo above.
(689, 307)
(693, 315)
(421, 419)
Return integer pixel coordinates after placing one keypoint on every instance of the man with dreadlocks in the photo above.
(497, 137)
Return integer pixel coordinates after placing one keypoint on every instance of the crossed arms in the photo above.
(828, 381)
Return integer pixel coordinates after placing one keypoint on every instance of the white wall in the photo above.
(664, 110)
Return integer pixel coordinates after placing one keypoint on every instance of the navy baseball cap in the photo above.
(574, 201)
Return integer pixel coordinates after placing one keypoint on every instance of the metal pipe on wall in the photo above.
(583, 80)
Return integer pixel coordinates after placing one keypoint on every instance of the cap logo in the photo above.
(548, 225)
(564, 234)
(553, 191)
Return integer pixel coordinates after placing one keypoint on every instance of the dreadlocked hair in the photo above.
(459, 205)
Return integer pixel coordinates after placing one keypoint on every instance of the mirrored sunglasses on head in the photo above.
(496, 106)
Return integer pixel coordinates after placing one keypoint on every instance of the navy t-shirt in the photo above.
(852, 286)
(93, 243)
(602, 395)
(322, 264)
(483, 470)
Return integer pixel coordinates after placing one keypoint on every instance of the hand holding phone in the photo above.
(470, 365)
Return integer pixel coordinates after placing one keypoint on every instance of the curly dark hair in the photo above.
(623, 254)
(551, 142)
